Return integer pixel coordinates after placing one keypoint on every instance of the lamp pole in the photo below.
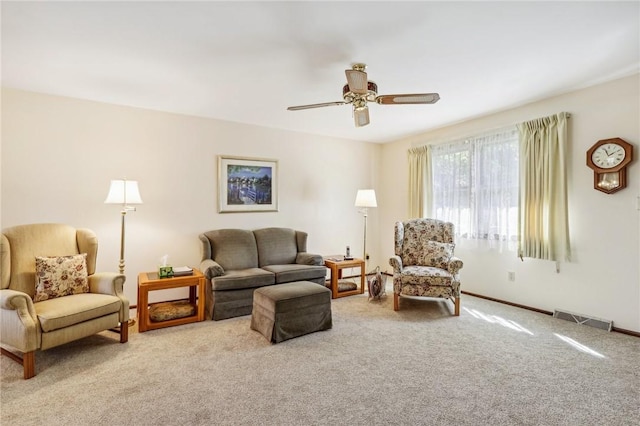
(364, 245)
(121, 264)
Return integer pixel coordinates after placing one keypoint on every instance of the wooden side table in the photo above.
(149, 281)
(336, 267)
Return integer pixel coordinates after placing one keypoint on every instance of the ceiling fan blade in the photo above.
(361, 116)
(409, 98)
(324, 104)
(357, 81)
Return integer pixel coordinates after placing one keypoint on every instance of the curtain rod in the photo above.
(477, 134)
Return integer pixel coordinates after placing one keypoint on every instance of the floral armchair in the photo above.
(424, 264)
(50, 293)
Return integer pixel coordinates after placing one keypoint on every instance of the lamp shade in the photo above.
(366, 198)
(123, 192)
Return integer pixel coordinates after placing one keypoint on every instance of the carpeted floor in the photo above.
(493, 365)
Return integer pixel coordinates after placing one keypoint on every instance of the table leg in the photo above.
(143, 309)
(192, 293)
(201, 296)
(334, 281)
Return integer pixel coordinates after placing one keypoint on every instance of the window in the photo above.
(475, 185)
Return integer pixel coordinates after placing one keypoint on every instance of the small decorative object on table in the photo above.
(181, 271)
(348, 256)
(164, 270)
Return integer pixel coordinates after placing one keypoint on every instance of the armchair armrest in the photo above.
(107, 283)
(113, 284)
(455, 264)
(14, 300)
(305, 258)
(18, 322)
(211, 269)
(396, 263)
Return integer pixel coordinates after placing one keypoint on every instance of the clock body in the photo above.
(609, 159)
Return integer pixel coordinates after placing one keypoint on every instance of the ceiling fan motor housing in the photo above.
(349, 96)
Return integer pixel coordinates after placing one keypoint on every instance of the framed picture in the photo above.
(247, 184)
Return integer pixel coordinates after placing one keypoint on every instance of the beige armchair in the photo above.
(58, 297)
(423, 264)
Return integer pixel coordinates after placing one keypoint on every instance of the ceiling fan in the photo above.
(358, 91)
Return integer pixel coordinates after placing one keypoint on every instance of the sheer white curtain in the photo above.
(475, 186)
(544, 219)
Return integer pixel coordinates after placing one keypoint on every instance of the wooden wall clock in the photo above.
(609, 159)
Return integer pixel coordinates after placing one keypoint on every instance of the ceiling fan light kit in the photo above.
(361, 116)
(359, 90)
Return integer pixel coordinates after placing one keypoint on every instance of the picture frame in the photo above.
(247, 184)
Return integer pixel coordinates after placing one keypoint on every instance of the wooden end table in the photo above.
(149, 281)
(336, 266)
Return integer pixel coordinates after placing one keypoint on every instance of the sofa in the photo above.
(235, 262)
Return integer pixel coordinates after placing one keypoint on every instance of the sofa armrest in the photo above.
(211, 269)
(396, 263)
(113, 284)
(305, 258)
(18, 320)
(455, 264)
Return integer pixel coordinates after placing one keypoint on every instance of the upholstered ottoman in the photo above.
(285, 311)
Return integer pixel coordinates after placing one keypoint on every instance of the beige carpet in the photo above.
(493, 365)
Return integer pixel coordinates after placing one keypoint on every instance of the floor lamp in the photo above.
(125, 193)
(365, 198)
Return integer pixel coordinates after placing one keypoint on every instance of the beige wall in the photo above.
(59, 154)
(603, 280)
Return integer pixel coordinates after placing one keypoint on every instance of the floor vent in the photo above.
(584, 320)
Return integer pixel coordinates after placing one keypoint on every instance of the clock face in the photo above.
(608, 155)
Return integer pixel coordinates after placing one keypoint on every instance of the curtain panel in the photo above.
(543, 222)
(420, 182)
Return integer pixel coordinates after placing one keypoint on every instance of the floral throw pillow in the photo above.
(437, 254)
(61, 276)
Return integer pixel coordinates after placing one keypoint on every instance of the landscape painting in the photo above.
(247, 184)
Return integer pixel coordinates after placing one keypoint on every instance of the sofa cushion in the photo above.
(63, 312)
(276, 246)
(244, 278)
(233, 248)
(293, 272)
(426, 276)
(59, 276)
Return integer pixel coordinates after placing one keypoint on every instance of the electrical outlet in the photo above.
(511, 276)
(367, 256)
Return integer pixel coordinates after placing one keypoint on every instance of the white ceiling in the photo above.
(247, 61)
